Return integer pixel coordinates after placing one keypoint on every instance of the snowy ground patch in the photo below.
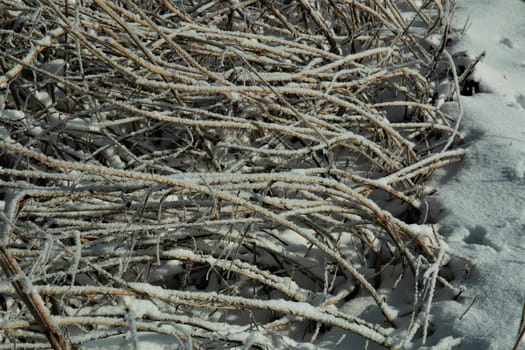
(484, 201)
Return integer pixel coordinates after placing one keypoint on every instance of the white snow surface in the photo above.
(483, 199)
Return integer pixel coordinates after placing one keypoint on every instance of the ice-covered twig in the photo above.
(32, 300)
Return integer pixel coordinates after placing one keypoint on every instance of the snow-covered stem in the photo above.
(33, 301)
(457, 89)
(430, 277)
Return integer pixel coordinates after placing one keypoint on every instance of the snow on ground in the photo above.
(484, 199)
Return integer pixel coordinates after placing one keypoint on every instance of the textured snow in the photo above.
(484, 198)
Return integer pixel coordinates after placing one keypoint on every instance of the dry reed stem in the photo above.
(32, 300)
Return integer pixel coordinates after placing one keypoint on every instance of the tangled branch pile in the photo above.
(223, 172)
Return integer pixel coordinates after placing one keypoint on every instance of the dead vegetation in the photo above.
(227, 173)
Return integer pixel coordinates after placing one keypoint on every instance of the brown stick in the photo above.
(32, 300)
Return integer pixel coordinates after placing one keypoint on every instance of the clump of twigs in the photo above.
(175, 166)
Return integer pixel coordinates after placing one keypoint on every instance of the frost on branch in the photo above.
(253, 172)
